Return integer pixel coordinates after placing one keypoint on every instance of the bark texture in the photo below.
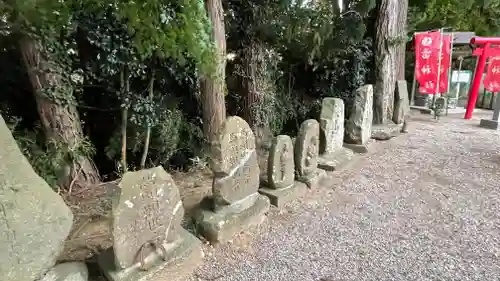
(60, 122)
(401, 29)
(249, 83)
(213, 88)
(253, 91)
(385, 60)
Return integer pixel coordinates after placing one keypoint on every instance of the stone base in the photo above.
(70, 271)
(422, 109)
(335, 161)
(221, 225)
(489, 124)
(182, 259)
(386, 132)
(313, 181)
(282, 196)
(358, 148)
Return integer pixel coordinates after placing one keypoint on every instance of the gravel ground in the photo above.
(423, 206)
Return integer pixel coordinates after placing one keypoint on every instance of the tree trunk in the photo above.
(213, 88)
(249, 84)
(125, 89)
(401, 30)
(253, 91)
(386, 34)
(148, 130)
(60, 122)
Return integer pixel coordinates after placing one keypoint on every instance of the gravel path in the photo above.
(423, 206)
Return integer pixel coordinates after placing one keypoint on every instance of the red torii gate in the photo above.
(484, 47)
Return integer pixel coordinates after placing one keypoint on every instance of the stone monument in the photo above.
(34, 220)
(280, 185)
(493, 123)
(401, 103)
(333, 155)
(149, 243)
(306, 152)
(235, 204)
(359, 126)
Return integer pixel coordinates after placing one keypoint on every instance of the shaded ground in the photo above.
(424, 206)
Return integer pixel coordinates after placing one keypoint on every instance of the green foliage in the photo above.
(482, 17)
(319, 52)
(171, 133)
(37, 17)
(105, 54)
(129, 42)
(337, 56)
(168, 29)
(172, 29)
(95, 48)
(47, 158)
(273, 109)
(165, 139)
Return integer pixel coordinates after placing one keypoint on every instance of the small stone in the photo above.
(386, 132)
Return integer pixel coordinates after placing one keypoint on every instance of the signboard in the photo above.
(463, 76)
(492, 79)
(459, 86)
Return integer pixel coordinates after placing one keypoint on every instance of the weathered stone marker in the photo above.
(281, 186)
(332, 153)
(306, 154)
(236, 204)
(359, 125)
(148, 240)
(494, 122)
(401, 103)
(34, 220)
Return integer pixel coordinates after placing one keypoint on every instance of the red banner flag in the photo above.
(492, 79)
(445, 63)
(428, 64)
(426, 50)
